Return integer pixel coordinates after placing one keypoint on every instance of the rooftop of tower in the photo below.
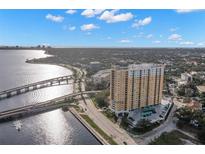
(139, 66)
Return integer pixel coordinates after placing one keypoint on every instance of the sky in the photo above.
(103, 28)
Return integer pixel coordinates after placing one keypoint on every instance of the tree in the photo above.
(124, 121)
(101, 86)
(188, 90)
(187, 116)
(201, 135)
(181, 90)
(197, 115)
(184, 114)
(101, 99)
(90, 85)
(143, 125)
(197, 80)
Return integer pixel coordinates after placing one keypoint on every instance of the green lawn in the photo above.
(94, 102)
(99, 130)
(171, 138)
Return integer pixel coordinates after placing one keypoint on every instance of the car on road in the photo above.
(125, 143)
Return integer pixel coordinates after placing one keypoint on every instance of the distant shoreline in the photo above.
(74, 113)
(92, 47)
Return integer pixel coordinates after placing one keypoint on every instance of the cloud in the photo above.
(112, 17)
(45, 44)
(149, 36)
(187, 43)
(69, 27)
(125, 41)
(142, 22)
(89, 13)
(157, 42)
(54, 18)
(187, 10)
(71, 11)
(88, 27)
(175, 37)
(72, 28)
(201, 44)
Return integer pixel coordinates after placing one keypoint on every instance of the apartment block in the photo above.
(135, 86)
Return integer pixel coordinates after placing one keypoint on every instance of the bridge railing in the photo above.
(54, 101)
(40, 82)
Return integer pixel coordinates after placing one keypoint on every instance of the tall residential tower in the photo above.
(136, 86)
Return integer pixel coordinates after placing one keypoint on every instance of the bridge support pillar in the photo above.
(18, 92)
(1, 97)
(34, 87)
(26, 89)
(8, 94)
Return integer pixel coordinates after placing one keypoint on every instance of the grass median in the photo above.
(99, 130)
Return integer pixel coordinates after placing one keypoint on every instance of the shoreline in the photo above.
(94, 133)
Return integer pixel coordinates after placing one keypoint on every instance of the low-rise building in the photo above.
(103, 75)
(193, 73)
(201, 89)
(172, 88)
(186, 77)
(95, 65)
(179, 82)
(156, 113)
(194, 105)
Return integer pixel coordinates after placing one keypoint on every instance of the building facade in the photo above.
(186, 77)
(135, 86)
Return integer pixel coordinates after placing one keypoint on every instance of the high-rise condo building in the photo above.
(135, 86)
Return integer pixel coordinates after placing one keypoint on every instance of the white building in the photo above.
(186, 77)
(95, 65)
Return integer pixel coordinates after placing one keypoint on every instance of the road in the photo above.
(113, 130)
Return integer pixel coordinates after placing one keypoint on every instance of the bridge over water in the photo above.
(34, 86)
(40, 107)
